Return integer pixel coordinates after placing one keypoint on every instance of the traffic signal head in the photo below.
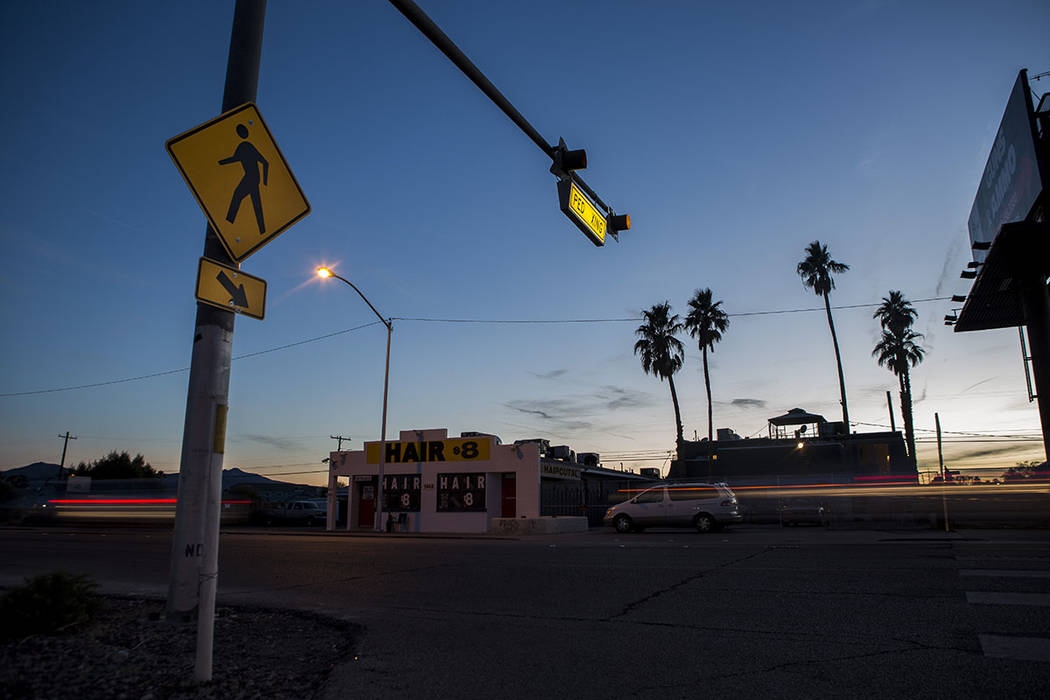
(565, 161)
(574, 160)
(614, 223)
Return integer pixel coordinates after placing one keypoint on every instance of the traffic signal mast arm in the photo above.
(563, 160)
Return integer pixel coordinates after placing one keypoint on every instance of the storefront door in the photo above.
(508, 496)
(366, 505)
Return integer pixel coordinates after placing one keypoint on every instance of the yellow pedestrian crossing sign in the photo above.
(228, 288)
(240, 179)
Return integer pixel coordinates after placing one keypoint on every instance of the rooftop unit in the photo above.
(588, 459)
(476, 434)
(545, 445)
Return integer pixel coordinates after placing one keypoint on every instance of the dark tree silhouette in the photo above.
(898, 351)
(661, 352)
(816, 270)
(706, 321)
(895, 313)
(118, 466)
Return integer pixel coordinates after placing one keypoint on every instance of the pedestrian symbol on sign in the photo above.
(250, 159)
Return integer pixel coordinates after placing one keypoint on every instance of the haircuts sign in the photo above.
(453, 450)
(460, 493)
(401, 493)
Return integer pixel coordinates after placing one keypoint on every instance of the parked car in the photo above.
(796, 511)
(311, 512)
(707, 507)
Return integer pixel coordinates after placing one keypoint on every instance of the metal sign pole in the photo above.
(195, 544)
(382, 437)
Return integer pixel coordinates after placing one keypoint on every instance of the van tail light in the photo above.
(729, 503)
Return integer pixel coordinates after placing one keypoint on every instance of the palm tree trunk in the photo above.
(838, 361)
(909, 429)
(707, 383)
(677, 413)
(904, 411)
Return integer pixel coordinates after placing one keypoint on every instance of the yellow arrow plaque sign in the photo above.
(240, 179)
(228, 288)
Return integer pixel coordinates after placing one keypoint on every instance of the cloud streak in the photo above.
(748, 403)
(553, 374)
(571, 413)
(274, 442)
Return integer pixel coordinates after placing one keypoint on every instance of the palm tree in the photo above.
(661, 352)
(895, 313)
(816, 270)
(898, 351)
(706, 321)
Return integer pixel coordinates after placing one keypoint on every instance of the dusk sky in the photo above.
(733, 135)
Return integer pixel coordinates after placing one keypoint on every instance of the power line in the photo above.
(639, 318)
(957, 432)
(427, 320)
(821, 308)
(516, 320)
(96, 384)
(185, 369)
(303, 342)
(313, 471)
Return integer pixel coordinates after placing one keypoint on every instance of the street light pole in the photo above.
(382, 431)
(324, 272)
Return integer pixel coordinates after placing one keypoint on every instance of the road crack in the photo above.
(630, 607)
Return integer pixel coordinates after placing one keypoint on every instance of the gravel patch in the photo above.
(128, 652)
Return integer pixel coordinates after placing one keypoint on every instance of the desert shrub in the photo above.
(47, 604)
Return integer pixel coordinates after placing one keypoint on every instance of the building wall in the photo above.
(858, 454)
(428, 454)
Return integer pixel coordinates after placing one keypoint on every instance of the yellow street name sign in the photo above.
(228, 288)
(582, 211)
(240, 179)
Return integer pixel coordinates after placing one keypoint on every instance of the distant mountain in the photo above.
(231, 477)
(37, 471)
(44, 471)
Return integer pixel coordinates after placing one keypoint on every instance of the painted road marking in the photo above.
(988, 558)
(1004, 573)
(991, 598)
(1021, 648)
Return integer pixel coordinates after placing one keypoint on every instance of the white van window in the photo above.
(692, 493)
(651, 496)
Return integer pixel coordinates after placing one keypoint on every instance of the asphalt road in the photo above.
(758, 611)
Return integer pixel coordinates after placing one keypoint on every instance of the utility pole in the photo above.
(62, 466)
(889, 405)
(944, 481)
(940, 453)
(195, 544)
(340, 438)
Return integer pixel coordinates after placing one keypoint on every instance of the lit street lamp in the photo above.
(324, 273)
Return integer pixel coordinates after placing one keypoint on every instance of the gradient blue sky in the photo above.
(733, 134)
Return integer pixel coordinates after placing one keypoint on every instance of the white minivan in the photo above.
(706, 507)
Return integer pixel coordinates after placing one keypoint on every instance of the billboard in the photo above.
(1013, 176)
